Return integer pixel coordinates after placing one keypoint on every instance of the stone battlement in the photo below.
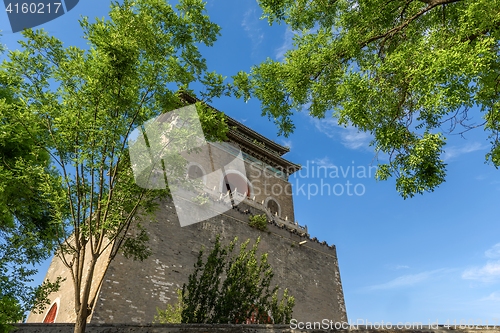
(294, 227)
(274, 220)
(225, 198)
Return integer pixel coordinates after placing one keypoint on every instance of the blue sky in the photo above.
(432, 257)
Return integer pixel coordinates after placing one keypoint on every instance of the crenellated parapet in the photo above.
(227, 198)
(273, 220)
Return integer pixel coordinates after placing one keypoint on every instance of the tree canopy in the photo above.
(76, 109)
(407, 71)
(26, 226)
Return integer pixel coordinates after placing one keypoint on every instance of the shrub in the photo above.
(258, 222)
(228, 287)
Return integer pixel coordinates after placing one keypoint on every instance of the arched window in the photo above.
(51, 315)
(273, 207)
(234, 182)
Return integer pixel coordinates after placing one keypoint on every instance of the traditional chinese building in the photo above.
(132, 290)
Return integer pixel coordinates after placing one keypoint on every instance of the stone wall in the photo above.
(196, 328)
(133, 290)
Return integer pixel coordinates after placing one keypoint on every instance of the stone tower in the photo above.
(132, 290)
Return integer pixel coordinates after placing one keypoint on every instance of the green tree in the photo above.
(406, 71)
(173, 313)
(26, 228)
(229, 288)
(79, 107)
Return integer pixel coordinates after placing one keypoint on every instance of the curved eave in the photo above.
(231, 122)
(281, 150)
(277, 161)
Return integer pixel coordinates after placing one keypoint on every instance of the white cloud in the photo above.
(324, 162)
(495, 296)
(250, 24)
(288, 41)
(393, 267)
(455, 151)
(490, 272)
(352, 138)
(326, 126)
(487, 273)
(494, 252)
(287, 44)
(405, 280)
(349, 136)
(286, 143)
(402, 267)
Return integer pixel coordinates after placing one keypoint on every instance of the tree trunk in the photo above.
(84, 310)
(81, 320)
